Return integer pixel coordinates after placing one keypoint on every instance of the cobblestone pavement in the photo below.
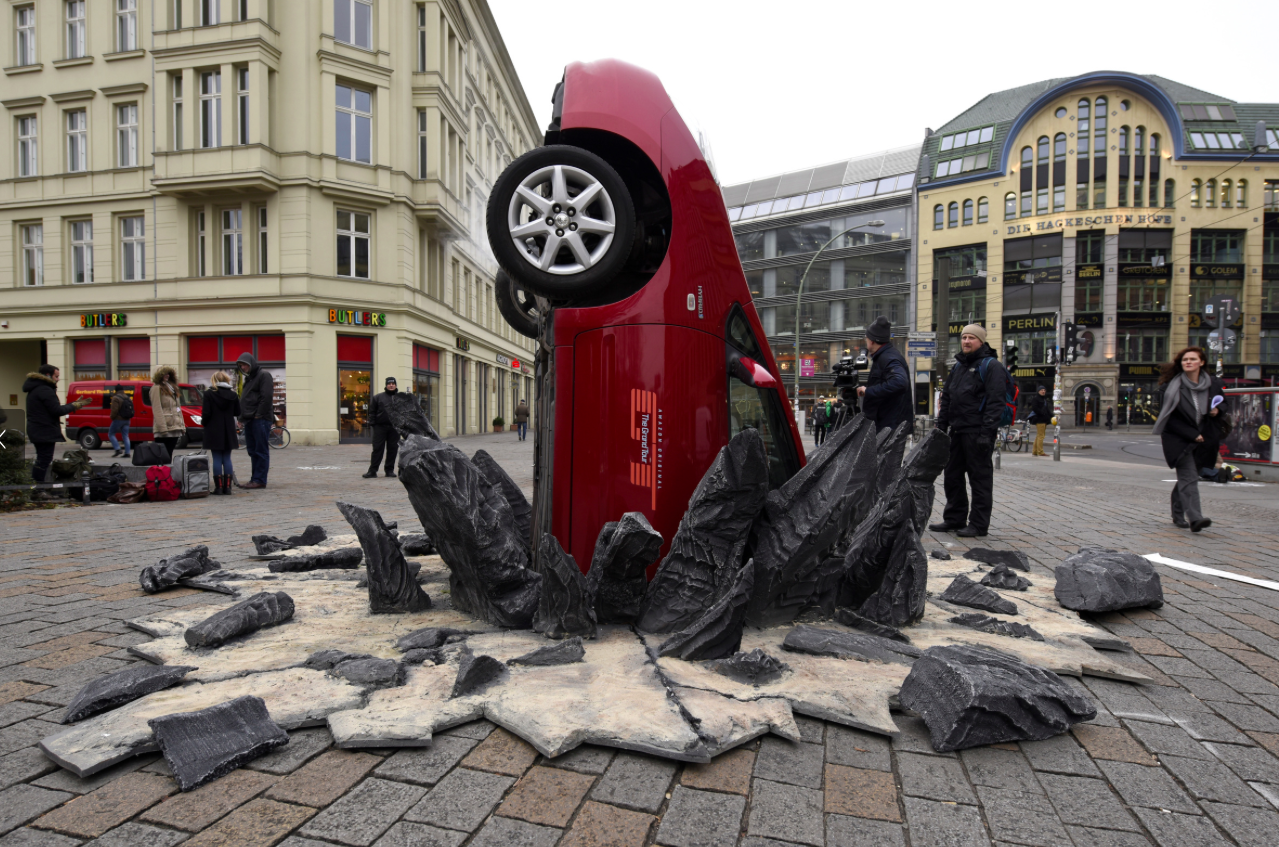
(1192, 759)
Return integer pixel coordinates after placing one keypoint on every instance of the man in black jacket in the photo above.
(384, 435)
(1040, 415)
(886, 394)
(257, 413)
(972, 403)
(44, 413)
(820, 421)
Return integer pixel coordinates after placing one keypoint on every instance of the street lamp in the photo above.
(798, 293)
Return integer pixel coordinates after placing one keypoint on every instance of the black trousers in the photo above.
(44, 458)
(384, 438)
(969, 457)
(819, 434)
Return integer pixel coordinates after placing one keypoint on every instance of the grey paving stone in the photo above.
(810, 729)
(299, 841)
(934, 824)
(37, 838)
(852, 747)
(701, 819)
(64, 780)
(1124, 700)
(1174, 701)
(1086, 802)
(1178, 667)
(1211, 689)
(1246, 682)
(426, 765)
(1022, 817)
(585, 759)
(934, 777)
(1207, 726)
(843, 831)
(1250, 763)
(786, 811)
(796, 763)
(760, 841)
(20, 710)
(461, 800)
(405, 834)
(23, 765)
(23, 734)
(635, 781)
(22, 803)
(138, 835)
(1150, 787)
(1212, 780)
(1172, 740)
(507, 832)
(1247, 717)
(999, 769)
(1059, 754)
(304, 744)
(1250, 827)
(479, 730)
(364, 813)
(912, 737)
(1176, 830)
(1085, 837)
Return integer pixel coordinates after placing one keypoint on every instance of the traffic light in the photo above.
(1010, 357)
(1071, 342)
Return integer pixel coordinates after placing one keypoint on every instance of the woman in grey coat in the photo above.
(1188, 394)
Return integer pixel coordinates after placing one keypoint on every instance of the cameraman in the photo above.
(886, 394)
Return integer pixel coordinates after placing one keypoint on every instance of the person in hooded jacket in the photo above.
(972, 403)
(257, 413)
(1185, 412)
(166, 409)
(44, 413)
(886, 394)
(219, 415)
(385, 438)
(1040, 415)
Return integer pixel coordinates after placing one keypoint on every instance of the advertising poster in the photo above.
(1252, 417)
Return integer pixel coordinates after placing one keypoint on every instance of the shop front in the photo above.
(1138, 394)
(208, 354)
(426, 382)
(355, 388)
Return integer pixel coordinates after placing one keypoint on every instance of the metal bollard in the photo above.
(997, 454)
(1057, 443)
(84, 477)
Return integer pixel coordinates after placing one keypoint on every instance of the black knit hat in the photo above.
(389, 380)
(880, 330)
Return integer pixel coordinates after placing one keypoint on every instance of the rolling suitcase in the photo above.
(191, 473)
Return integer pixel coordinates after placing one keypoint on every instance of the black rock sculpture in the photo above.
(370, 672)
(1005, 577)
(514, 495)
(405, 412)
(986, 623)
(860, 646)
(970, 697)
(324, 660)
(392, 588)
(940, 555)
(473, 529)
(344, 558)
(850, 618)
(800, 524)
(166, 572)
(753, 668)
(903, 590)
(431, 637)
(259, 611)
(1100, 580)
(475, 672)
(566, 652)
(1101, 642)
(891, 450)
(267, 544)
(717, 633)
(416, 544)
(418, 655)
(964, 592)
(122, 687)
(204, 745)
(566, 608)
(617, 579)
(415, 568)
(707, 550)
(1008, 558)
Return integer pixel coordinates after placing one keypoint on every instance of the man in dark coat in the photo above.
(1040, 415)
(821, 419)
(886, 394)
(44, 413)
(972, 403)
(385, 438)
(257, 413)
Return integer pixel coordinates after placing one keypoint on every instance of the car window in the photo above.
(191, 396)
(758, 408)
(741, 337)
(146, 395)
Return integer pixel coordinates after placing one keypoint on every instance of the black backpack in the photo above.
(126, 409)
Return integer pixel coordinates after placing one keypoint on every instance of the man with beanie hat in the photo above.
(1040, 416)
(886, 394)
(972, 402)
(384, 435)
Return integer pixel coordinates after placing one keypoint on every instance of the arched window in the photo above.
(1010, 206)
(1154, 144)
(939, 216)
(1027, 157)
(1196, 192)
(1084, 109)
(1170, 193)
(1227, 190)
(953, 215)
(1099, 128)
(1123, 141)
(968, 213)
(1059, 147)
(983, 210)
(1210, 193)
(1241, 194)
(1043, 149)
(1139, 141)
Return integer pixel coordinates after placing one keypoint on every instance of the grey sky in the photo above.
(781, 86)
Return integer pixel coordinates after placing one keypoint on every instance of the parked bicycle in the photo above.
(1014, 437)
(278, 438)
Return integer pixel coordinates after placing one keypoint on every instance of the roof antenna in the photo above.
(1259, 138)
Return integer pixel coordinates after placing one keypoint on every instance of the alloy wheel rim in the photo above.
(561, 220)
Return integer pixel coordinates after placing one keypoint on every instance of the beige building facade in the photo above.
(305, 180)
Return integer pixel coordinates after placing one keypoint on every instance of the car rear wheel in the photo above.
(561, 221)
(516, 304)
(88, 439)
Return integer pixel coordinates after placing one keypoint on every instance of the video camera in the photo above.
(847, 377)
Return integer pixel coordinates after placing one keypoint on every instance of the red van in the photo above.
(88, 427)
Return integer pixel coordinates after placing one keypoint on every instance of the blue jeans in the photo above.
(115, 431)
(522, 428)
(222, 463)
(256, 433)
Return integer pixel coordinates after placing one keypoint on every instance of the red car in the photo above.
(652, 357)
(89, 425)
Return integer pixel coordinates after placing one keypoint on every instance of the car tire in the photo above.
(88, 439)
(516, 304)
(546, 181)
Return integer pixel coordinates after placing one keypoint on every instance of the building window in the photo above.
(1099, 128)
(81, 251)
(262, 233)
(243, 11)
(1041, 201)
(77, 141)
(33, 254)
(1059, 147)
(353, 244)
(1123, 141)
(1027, 203)
(421, 39)
(1216, 245)
(1088, 295)
(28, 145)
(1123, 191)
(1170, 193)
(211, 109)
(967, 138)
(1196, 190)
(952, 215)
(25, 24)
(201, 245)
(1227, 192)
(1081, 195)
(1082, 111)
(1090, 247)
(1027, 157)
(1059, 198)
(421, 143)
(1210, 194)
(232, 242)
(968, 213)
(1043, 150)
(177, 111)
(75, 29)
(353, 22)
(210, 12)
(354, 124)
(1269, 195)
(1010, 206)
(983, 210)
(1142, 345)
(127, 135)
(133, 248)
(1143, 295)
(126, 25)
(242, 102)
(1241, 194)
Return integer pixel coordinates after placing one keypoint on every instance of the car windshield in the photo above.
(190, 396)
